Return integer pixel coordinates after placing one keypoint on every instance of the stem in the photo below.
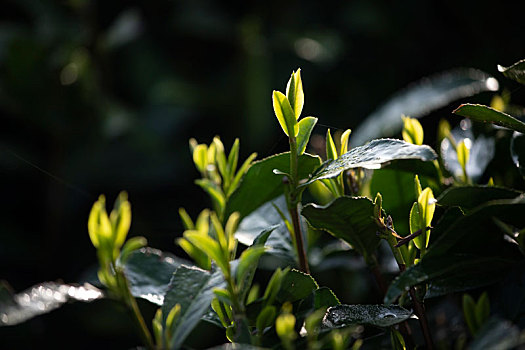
(419, 309)
(130, 301)
(293, 163)
(303, 261)
(293, 206)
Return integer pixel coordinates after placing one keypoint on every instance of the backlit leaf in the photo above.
(421, 98)
(486, 114)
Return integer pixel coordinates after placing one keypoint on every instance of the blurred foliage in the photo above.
(96, 97)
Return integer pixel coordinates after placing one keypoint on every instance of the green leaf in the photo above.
(486, 114)
(482, 309)
(186, 219)
(463, 154)
(130, 246)
(496, 334)
(192, 288)
(514, 72)
(248, 261)
(419, 99)
(220, 157)
(295, 94)
(415, 218)
(200, 157)
(211, 247)
(427, 206)
(372, 156)
(266, 318)
(149, 271)
(464, 243)
(412, 131)
(233, 158)
(296, 285)
(348, 218)
(344, 141)
(261, 185)
(285, 114)
(306, 125)
(517, 151)
(331, 151)
(274, 286)
(469, 314)
(469, 197)
(242, 170)
(213, 191)
(376, 315)
(41, 299)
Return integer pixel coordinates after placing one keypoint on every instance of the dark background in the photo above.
(103, 96)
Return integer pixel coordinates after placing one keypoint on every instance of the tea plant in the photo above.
(446, 233)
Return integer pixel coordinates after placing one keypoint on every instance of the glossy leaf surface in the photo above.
(372, 156)
(348, 218)
(149, 272)
(376, 315)
(419, 99)
(41, 299)
(192, 288)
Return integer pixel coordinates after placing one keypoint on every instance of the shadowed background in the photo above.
(98, 97)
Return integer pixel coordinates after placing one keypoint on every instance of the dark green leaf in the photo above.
(261, 185)
(514, 72)
(149, 272)
(486, 114)
(348, 218)
(377, 315)
(319, 298)
(296, 285)
(419, 99)
(41, 299)
(469, 197)
(415, 166)
(517, 151)
(372, 156)
(469, 252)
(496, 334)
(192, 288)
